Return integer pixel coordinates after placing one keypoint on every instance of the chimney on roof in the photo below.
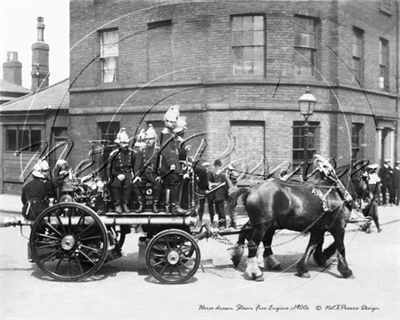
(12, 69)
(40, 59)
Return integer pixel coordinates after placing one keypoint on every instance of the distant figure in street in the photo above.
(233, 176)
(368, 203)
(208, 197)
(374, 182)
(387, 182)
(397, 181)
(221, 194)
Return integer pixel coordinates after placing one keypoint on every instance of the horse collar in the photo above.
(322, 197)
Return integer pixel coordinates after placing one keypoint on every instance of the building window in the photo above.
(108, 132)
(358, 53)
(305, 48)
(109, 55)
(60, 132)
(356, 141)
(248, 45)
(384, 64)
(27, 138)
(299, 141)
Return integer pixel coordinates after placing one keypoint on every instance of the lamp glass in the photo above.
(307, 107)
(307, 103)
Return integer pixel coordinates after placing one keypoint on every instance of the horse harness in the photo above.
(323, 197)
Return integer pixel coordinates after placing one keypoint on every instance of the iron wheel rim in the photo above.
(173, 256)
(66, 251)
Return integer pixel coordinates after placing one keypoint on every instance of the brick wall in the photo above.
(376, 24)
(202, 81)
(201, 39)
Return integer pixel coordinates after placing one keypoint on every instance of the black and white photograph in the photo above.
(199, 159)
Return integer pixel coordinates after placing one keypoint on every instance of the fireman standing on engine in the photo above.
(188, 164)
(169, 159)
(146, 170)
(120, 168)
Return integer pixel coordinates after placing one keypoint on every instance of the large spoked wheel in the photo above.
(68, 241)
(173, 256)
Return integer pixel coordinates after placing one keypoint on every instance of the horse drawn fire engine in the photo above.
(76, 235)
(72, 239)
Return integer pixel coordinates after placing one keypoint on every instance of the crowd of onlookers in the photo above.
(216, 200)
(384, 183)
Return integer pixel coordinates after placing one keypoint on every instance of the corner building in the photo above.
(238, 68)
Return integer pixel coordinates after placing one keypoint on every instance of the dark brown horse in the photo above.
(314, 207)
(296, 206)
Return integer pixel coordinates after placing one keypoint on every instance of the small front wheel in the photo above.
(173, 256)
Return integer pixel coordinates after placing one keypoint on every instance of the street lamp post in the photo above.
(307, 104)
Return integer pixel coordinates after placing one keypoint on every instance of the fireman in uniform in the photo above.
(121, 165)
(169, 167)
(146, 170)
(37, 192)
(200, 172)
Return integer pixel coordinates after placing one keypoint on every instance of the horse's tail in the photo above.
(233, 198)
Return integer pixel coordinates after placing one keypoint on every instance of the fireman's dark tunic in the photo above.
(169, 155)
(148, 172)
(35, 194)
(122, 161)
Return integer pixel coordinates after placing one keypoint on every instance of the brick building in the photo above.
(31, 122)
(238, 68)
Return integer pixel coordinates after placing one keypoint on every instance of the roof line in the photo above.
(33, 93)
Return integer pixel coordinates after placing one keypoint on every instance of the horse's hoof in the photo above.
(303, 275)
(346, 273)
(272, 264)
(259, 278)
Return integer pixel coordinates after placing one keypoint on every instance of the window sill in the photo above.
(24, 152)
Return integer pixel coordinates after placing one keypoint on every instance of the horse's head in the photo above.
(359, 179)
(355, 178)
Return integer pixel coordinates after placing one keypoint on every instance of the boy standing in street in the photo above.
(220, 195)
